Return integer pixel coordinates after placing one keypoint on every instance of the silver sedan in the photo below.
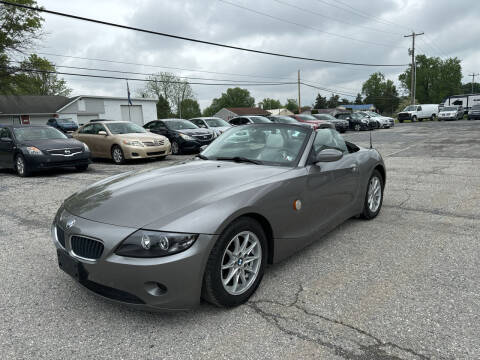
(167, 237)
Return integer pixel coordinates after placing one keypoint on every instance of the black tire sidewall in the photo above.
(367, 214)
(213, 290)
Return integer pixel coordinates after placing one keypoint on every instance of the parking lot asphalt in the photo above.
(405, 285)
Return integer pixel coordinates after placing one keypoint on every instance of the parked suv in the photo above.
(64, 125)
(474, 112)
(451, 113)
(121, 140)
(418, 112)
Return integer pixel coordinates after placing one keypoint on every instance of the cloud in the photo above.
(449, 31)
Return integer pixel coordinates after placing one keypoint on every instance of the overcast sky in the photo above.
(367, 31)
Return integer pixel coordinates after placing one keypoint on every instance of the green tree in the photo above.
(333, 101)
(344, 101)
(320, 102)
(163, 108)
(19, 28)
(190, 109)
(269, 104)
(37, 77)
(233, 97)
(292, 105)
(436, 79)
(380, 92)
(358, 99)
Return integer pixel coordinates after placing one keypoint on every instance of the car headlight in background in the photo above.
(365, 121)
(133, 143)
(32, 150)
(149, 244)
(186, 137)
(85, 147)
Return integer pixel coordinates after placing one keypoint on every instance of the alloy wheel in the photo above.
(20, 163)
(175, 148)
(357, 127)
(374, 194)
(117, 155)
(241, 262)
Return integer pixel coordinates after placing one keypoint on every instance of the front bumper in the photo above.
(39, 162)
(142, 152)
(194, 145)
(166, 283)
(446, 118)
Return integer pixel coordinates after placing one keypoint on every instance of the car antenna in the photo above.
(371, 147)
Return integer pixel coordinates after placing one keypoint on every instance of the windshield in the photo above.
(269, 144)
(37, 133)
(306, 117)
(449, 108)
(284, 120)
(213, 122)
(410, 108)
(179, 124)
(124, 128)
(259, 119)
(66, 121)
(357, 116)
(326, 117)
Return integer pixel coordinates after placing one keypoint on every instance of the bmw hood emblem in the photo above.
(70, 223)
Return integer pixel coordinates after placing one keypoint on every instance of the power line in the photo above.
(304, 26)
(192, 39)
(137, 79)
(332, 18)
(149, 74)
(327, 90)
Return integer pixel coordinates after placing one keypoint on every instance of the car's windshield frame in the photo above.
(19, 137)
(168, 123)
(288, 120)
(107, 126)
(292, 164)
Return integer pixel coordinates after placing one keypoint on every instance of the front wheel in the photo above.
(175, 148)
(414, 119)
(236, 264)
(357, 127)
(433, 117)
(21, 166)
(117, 155)
(373, 196)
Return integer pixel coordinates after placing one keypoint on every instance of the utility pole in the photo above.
(473, 79)
(299, 105)
(414, 66)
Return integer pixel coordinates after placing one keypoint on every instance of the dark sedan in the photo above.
(183, 135)
(30, 148)
(64, 125)
(356, 121)
(340, 125)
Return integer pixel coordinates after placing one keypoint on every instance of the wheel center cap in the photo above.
(240, 262)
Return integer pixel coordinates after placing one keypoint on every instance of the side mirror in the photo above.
(328, 155)
(6, 139)
(203, 147)
(104, 133)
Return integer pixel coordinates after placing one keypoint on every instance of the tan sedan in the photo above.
(121, 140)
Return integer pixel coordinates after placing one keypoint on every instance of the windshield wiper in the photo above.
(240, 159)
(203, 157)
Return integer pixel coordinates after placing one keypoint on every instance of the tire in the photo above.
(21, 166)
(117, 155)
(400, 121)
(81, 167)
(213, 289)
(371, 210)
(420, 119)
(175, 148)
(414, 118)
(357, 127)
(433, 117)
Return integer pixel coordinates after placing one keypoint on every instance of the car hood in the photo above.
(221, 128)
(148, 136)
(136, 199)
(198, 131)
(51, 144)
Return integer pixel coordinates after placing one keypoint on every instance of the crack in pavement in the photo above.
(376, 350)
(434, 212)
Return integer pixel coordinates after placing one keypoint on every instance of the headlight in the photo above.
(133, 143)
(149, 244)
(85, 147)
(365, 121)
(32, 150)
(186, 137)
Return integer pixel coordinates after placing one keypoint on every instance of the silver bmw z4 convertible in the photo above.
(165, 238)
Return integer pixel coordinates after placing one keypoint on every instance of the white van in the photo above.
(419, 112)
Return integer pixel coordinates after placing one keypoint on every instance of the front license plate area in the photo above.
(71, 266)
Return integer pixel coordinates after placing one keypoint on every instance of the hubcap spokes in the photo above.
(117, 155)
(241, 263)
(374, 194)
(20, 165)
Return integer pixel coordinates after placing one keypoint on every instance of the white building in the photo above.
(81, 109)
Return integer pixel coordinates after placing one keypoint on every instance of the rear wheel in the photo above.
(236, 264)
(433, 117)
(373, 196)
(357, 127)
(420, 119)
(21, 166)
(117, 155)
